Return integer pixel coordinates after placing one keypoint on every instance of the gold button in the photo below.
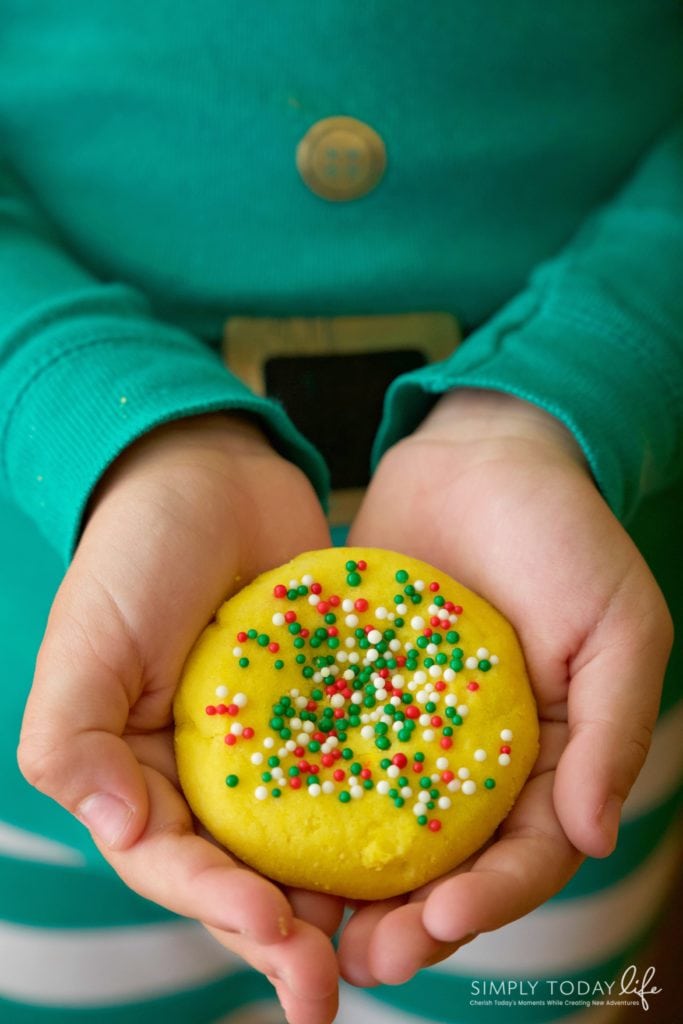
(340, 158)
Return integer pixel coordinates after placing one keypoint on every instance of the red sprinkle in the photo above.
(366, 773)
(295, 782)
(233, 709)
(303, 766)
(339, 712)
(242, 638)
(417, 766)
(332, 631)
(433, 586)
(436, 721)
(280, 591)
(401, 660)
(231, 740)
(221, 709)
(361, 564)
(446, 742)
(210, 709)
(412, 711)
(314, 769)
(434, 825)
(505, 749)
(335, 601)
(273, 647)
(290, 616)
(299, 751)
(440, 686)
(248, 732)
(448, 775)
(338, 774)
(311, 706)
(456, 609)
(360, 604)
(316, 588)
(327, 760)
(473, 686)
(323, 607)
(400, 760)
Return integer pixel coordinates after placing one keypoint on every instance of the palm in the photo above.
(533, 536)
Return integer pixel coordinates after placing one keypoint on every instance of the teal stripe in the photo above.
(446, 997)
(194, 1006)
(638, 839)
(53, 896)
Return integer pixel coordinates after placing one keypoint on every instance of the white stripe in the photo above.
(16, 842)
(357, 1008)
(570, 935)
(101, 966)
(663, 767)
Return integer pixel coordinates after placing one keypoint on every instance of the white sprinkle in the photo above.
(293, 584)
(295, 723)
(383, 787)
(269, 742)
(328, 787)
(303, 739)
(367, 732)
(435, 777)
(397, 726)
(277, 772)
(469, 787)
(313, 599)
(450, 700)
(317, 677)
(423, 796)
(332, 741)
(391, 616)
(406, 792)
(428, 735)
(431, 649)
(290, 745)
(307, 579)
(419, 585)
(308, 727)
(381, 612)
(236, 728)
(396, 701)
(347, 605)
(314, 789)
(454, 785)
(237, 651)
(354, 656)
(256, 758)
(494, 659)
(221, 691)
(374, 636)
(394, 645)
(371, 655)
(479, 755)
(294, 692)
(337, 700)
(381, 694)
(260, 792)
(401, 609)
(442, 763)
(463, 773)
(421, 696)
(397, 681)
(471, 663)
(356, 792)
(435, 671)
(504, 759)
(342, 657)
(420, 677)
(433, 609)
(351, 621)
(448, 675)
(417, 622)
(443, 803)
(506, 735)
(278, 619)
(240, 699)
(483, 652)
(300, 702)
(463, 710)
(418, 809)
(357, 695)
(424, 720)
(393, 771)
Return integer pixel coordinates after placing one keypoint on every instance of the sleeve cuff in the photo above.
(77, 410)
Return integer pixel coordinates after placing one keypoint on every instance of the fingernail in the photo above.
(610, 819)
(105, 815)
(283, 926)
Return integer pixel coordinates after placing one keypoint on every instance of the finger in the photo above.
(613, 703)
(302, 967)
(532, 860)
(172, 866)
(355, 941)
(322, 911)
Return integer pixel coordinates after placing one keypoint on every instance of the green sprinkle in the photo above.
(276, 723)
(276, 792)
(382, 742)
(419, 756)
(425, 783)
(447, 731)
(384, 763)
(252, 634)
(401, 576)
(452, 637)
(292, 595)
(439, 600)
(484, 665)
(381, 728)
(285, 734)
(273, 762)
(314, 746)
(457, 719)
(430, 706)
(422, 819)
(356, 768)
(262, 640)
(232, 781)
(490, 783)
(294, 628)
(353, 580)
(351, 566)
(266, 777)
(347, 753)
(302, 590)
(293, 771)
(244, 662)
(404, 735)
(307, 672)
(344, 796)
(399, 801)
(368, 784)
(279, 664)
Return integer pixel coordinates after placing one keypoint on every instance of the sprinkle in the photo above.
(506, 735)
(232, 781)
(256, 758)
(471, 663)
(417, 622)
(504, 759)
(260, 792)
(463, 773)
(469, 787)
(480, 755)
(434, 825)
(221, 691)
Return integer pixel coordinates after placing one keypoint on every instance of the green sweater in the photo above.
(148, 192)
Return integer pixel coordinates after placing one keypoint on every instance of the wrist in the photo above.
(498, 422)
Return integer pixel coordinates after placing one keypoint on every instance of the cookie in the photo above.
(355, 722)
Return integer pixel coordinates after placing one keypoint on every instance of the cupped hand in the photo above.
(495, 492)
(184, 517)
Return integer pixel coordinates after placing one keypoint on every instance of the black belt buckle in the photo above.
(331, 375)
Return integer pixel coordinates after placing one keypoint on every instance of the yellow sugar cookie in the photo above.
(355, 722)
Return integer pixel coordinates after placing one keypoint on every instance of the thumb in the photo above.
(86, 680)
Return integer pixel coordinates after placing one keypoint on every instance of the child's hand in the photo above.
(179, 519)
(495, 492)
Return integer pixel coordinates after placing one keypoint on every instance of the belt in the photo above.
(331, 375)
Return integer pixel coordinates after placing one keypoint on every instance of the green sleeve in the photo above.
(595, 339)
(85, 368)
